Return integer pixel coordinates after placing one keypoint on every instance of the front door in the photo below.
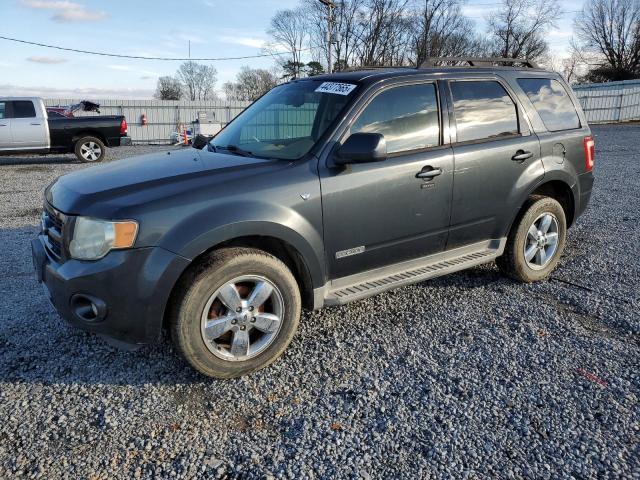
(380, 213)
(497, 157)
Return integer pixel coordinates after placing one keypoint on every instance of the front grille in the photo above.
(53, 227)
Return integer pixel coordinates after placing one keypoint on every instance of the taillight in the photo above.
(589, 153)
(123, 127)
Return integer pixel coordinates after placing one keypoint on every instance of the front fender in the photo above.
(198, 233)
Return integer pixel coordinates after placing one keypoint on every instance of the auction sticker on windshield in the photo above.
(336, 88)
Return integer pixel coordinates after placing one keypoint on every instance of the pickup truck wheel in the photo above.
(235, 312)
(89, 149)
(535, 242)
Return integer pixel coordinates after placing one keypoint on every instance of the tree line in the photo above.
(605, 45)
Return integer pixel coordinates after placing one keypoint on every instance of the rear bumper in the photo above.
(585, 183)
(118, 141)
(130, 289)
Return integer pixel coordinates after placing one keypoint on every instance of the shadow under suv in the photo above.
(324, 191)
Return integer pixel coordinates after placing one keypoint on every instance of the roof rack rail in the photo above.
(478, 62)
(373, 67)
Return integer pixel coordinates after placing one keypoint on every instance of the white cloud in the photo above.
(245, 41)
(49, 60)
(66, 11)
(129, 68)
(76, 93)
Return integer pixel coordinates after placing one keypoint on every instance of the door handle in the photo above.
(35, 124)
(429, 172)
(3, 124)
(521, 156)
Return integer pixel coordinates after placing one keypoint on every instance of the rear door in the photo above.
(5, 127)
(28, 130)
(380, 213)
(497, 158)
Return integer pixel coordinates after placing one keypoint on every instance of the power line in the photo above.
(138, 57)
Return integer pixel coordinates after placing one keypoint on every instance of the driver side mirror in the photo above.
(362, 148)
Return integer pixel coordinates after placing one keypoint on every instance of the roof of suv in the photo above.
(384, 73)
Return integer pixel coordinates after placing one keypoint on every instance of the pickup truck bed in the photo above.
(26, 127)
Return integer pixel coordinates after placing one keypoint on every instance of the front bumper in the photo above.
(131, 288)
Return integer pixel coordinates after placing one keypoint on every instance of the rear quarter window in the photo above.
(552, 102)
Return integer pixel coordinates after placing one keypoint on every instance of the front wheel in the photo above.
(90, 149)
(235, 312)
(535, 242)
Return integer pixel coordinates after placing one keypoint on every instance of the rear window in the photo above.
(2, 110)
(552, 103)
(23, 109)
(483, 110)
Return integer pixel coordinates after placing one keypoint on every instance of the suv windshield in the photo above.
(286, 122)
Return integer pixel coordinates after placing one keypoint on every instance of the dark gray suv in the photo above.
(324, 191)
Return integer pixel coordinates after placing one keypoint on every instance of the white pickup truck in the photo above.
(26, 127)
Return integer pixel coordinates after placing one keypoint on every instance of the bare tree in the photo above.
(168, 88)
(250, 84)
(198, 80)
(382, 33)
(517, 29)
(289, 31)
(345, 25)
(439, 29)
(611, 30)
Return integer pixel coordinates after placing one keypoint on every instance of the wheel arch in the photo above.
(87, 133)
(558, 189)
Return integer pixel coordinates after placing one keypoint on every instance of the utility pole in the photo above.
(329, 4)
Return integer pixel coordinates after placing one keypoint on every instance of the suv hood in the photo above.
(101, 190)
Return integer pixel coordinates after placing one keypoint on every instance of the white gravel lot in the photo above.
(466, 376)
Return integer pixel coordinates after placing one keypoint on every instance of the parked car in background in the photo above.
(324, 191)
(27, 127)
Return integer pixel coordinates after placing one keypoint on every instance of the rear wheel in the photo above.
(90, 149)
(535, 242)
(235, 313)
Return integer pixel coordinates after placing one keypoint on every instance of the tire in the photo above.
(89, 150)
(535, 213)
(197, 303)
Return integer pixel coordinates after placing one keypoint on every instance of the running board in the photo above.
(363, 285)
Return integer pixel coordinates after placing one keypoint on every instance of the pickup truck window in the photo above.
(22, 109)
(283, 124)
(2, 110)
(407, 116)
(552, 103)
(483, 110)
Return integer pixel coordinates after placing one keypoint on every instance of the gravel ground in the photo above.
(467, 376)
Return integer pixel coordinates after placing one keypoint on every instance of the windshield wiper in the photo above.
(235, 149)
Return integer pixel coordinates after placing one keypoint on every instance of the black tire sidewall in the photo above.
(223, 268)
(537, 208)
(84, 140)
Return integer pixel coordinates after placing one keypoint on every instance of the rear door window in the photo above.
(23, 109)
(483, 110)
(407, 116)
(552, 102)
(3, 111)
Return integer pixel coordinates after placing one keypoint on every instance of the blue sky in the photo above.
(216, 28)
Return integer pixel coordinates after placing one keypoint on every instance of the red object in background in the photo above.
(123, 127)
(143, 119)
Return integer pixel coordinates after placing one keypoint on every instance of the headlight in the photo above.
(93, 239)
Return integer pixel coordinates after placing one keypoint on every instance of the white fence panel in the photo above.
(610, 102)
